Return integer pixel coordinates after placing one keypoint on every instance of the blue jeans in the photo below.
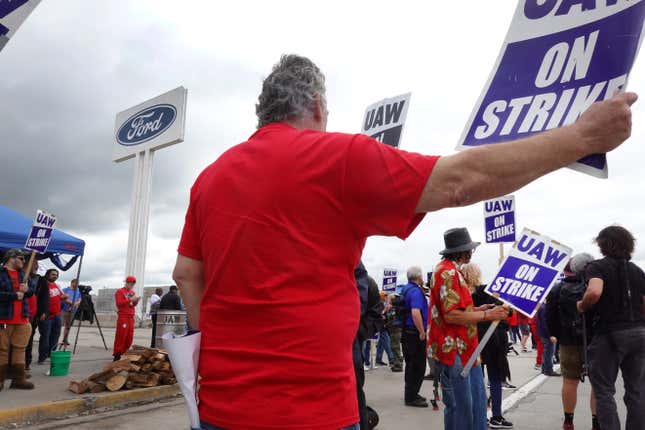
(206, 426)
(49, 333)
(384, 345)
(547, 355)
(464, 398)
(495, 390)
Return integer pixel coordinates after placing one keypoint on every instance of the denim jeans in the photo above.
(383, 345)
(547, 355)
(206, 426)
(464, 398)
(495, 381)
(49, 333)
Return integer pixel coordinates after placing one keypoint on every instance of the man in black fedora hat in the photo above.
(453, 334)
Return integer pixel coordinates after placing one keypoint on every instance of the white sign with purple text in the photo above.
(499, 219)
(41, 232)
(384, 120)
(559, 57)
(529, 272)
(389, 280)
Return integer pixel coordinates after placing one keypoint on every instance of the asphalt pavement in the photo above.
(537, 409)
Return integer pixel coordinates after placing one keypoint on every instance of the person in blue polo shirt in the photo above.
(69, 307)
(413, 339)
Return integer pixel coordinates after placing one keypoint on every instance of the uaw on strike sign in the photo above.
(384, 120)
(12, 14)
(499, 219)
(529, 272)
(41, 232)
(559, 57)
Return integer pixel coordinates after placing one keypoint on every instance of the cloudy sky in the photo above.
(74, 64)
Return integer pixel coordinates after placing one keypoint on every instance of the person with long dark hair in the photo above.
(616, 294)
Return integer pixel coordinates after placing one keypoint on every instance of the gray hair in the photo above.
(579, 262)
(414, 272)
(289, 91)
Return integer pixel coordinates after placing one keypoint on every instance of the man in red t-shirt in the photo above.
(453, 334)
(126, 302)
(50, 297)
(14, 320)
(276, 225)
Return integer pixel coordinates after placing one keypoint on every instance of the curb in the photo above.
(85, 405)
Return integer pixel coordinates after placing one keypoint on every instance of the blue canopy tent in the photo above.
(15, 228)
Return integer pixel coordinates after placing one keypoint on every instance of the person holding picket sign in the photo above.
(295, 200)
(453, 334)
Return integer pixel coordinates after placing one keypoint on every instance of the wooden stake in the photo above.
(501, 253)
(29, 264)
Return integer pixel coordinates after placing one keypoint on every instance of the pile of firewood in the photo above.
(138, 368)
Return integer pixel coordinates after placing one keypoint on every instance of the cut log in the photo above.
(168, 379)
(134, 358)
(117, 381)
(78, 387)
(102, 376)
(146, 367)
(94, 387)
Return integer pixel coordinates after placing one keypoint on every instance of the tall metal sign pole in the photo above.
(138, 133)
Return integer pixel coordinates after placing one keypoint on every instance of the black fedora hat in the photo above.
(458, 240)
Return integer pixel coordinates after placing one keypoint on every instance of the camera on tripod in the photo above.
(85, 289)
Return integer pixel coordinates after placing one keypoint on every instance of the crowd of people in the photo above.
(297, 204)
(30, 304)
(590, 334)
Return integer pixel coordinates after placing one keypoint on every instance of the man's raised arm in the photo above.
(489, 171)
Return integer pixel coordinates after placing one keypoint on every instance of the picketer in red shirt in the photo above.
(280, 222)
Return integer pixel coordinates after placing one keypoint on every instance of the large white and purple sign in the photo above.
(389, 280)
(384, 120)
(41, 232)
(499, 219)
(529, 272)
(12, 14)
(559, 57)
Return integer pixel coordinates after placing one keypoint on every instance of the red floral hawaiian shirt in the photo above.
(449, 291)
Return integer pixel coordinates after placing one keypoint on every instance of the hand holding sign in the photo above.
(498, 313)
(605, 125)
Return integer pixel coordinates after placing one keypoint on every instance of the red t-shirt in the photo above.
(17, 304)
(54, 300)
(123, 304)
(449, 292)
(32, 302)
(280, 222)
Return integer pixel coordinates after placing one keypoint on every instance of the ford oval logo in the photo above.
(146, 124)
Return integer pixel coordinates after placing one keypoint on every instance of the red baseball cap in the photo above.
(130, 279)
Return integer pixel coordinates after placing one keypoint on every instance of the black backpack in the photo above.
(570, 318)
(401, 312)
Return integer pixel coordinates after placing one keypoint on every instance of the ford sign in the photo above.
(146, 124)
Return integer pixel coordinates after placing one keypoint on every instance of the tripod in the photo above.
(85, 312)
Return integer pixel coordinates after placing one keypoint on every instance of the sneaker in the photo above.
(499, 423)
(366, 367)
(417, 403)
(507, 386)
(419, 396)
(381, 363)
(537, 367)
(396, 369)
(429, 376)
(551, 373)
